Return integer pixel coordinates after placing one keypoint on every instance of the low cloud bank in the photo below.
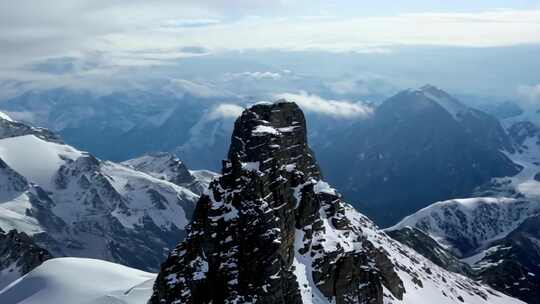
(336, 108)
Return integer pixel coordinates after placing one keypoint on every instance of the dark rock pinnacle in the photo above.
(270, 231)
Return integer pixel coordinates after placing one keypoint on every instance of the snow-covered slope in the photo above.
(74, 204)
(80, 281)
(5, 116)
(36, 159)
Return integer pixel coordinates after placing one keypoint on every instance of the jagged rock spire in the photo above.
(273, 135)
(270, 231)
(268, 211)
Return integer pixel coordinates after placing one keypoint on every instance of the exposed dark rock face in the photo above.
(269, 211)
(11, 181)
(419, 147)
(18, 255)
(14, 129)
(512, 265)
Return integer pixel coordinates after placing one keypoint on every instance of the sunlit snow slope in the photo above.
(80, 281)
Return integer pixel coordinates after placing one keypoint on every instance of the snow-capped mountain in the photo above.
(419, 147)
(270, 230)
(468, 225)
(495, 232)
(167, 166)
(78, 280)
(496, 237)
(163, 166)
(73, 204)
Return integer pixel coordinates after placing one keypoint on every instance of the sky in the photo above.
(37, 29)
(105, 35)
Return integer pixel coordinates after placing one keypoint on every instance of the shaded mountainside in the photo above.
(269, 230)
(419, 147)
(73, 204)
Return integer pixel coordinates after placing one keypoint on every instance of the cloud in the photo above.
(225, 111)
(190, 23)
(254, 75)
(31, 30)
(336, 108)
(529, 97)
(183, 86)
(362, 84)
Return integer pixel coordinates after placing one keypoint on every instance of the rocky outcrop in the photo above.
(269, 230)
(9, 128)
(18, 256)
(11, 181)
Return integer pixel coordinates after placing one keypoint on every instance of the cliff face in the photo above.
(269, 230)
(18, 256)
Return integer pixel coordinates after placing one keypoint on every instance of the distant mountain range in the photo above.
(420, 146)
(269, 227)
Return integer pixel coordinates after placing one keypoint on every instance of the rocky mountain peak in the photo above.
(425, 99)
(272, 136)
(269, 230)
(162, 165)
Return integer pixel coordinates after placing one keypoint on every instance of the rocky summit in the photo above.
(270, 230)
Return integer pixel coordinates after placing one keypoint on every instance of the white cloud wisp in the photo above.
(335, 108)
